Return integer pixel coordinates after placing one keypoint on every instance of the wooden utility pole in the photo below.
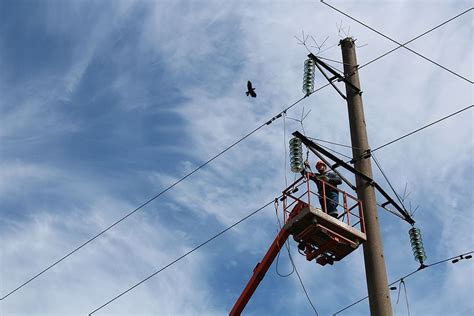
(376, 274)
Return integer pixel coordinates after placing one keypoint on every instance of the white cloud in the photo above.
(210, 50)
(112, 263)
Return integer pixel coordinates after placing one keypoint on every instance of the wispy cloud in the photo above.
(106, 104)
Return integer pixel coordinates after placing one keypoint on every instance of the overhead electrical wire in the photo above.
(333, 60)
(388, 181)
(411, 133)
(395, 140)
(391, 211)
(423, 127)
(402, 282)
(417, 37)
(287, 244)
(284, 147)
(461, 256)
(156, 196)
(183, 256)
(405, 43)
(398, 43)
(399, 138)
(302, 285)
(386, 144)
(332, 67)
(377, 163)
(329, 142)
(201, 166)
(335, 151)
(394, 49)
(380, 205)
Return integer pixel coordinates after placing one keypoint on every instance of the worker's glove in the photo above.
(323, 178)
(335, 180)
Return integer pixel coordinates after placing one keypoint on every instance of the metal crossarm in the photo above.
(335, 75)
(338, 162)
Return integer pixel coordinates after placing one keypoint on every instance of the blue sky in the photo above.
(106, 103)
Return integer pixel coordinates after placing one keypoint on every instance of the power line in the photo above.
(388, 181)
(329, 142)
(195, 170)
(423, 127)
(302, 285)
(406, 276)
(395, 140)
(290, 254)
(380, 168)
(415, 38)
(396, 42)
(183, 256)
(402, 282)
(403, 45)
(335, 151)
(411, 133)
(284, 148)
(156, 196)
(391, 142)
(287, 245)
(408, 42)
(389, 52)
(334, 61)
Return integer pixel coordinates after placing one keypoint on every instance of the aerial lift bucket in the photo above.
(319, 235)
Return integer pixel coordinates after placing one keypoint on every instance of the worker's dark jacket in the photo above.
(332, 195)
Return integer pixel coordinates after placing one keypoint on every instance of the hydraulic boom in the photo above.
(259, 272)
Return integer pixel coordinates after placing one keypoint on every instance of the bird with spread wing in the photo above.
(251, 90)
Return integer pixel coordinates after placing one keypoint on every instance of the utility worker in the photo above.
(332, 195)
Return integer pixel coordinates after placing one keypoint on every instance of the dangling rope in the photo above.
(302, 285)
(284, 146)
(303, 116)
(301, 120)
(306, 162)
(287, 244)
(402, 282)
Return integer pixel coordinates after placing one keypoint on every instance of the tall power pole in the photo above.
(376, 274)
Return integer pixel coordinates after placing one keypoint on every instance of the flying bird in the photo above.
(251, 91)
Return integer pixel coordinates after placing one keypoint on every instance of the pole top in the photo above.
(348, 40)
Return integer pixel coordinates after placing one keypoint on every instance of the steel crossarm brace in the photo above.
(334, 73)
(259, 272)
(330, 81)
(316, 148)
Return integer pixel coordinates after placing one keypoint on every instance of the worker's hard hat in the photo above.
(320, 164)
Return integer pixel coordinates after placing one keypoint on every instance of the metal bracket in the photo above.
(335, 75)
(316, 148)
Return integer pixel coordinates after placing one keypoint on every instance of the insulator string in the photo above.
(417, 245)
(308, 77)
(296, 155)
